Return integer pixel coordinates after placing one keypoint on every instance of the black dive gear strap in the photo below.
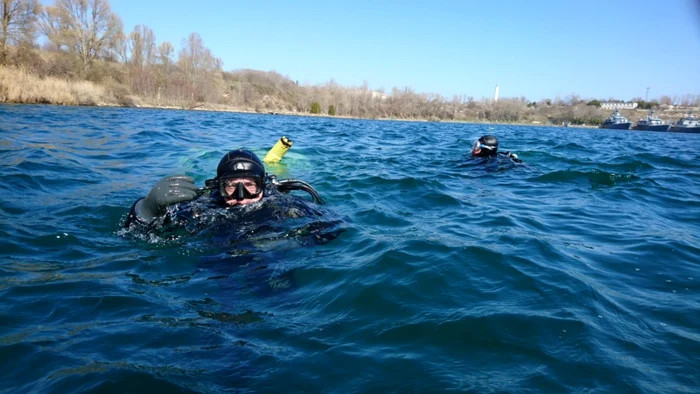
(288, 185)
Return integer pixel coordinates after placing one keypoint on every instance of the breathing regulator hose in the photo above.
(288, 185)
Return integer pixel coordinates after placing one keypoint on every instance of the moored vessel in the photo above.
(616, 121)
(651, 123)
(688, 124)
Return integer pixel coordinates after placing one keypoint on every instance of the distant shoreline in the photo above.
(19, 86)
(228, 109)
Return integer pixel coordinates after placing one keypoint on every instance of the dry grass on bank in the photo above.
(19, 86)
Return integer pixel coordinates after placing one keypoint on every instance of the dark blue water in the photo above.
(576, 272)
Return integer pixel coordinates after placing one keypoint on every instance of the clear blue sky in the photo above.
(537, 48)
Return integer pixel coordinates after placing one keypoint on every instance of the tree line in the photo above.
(85, 40)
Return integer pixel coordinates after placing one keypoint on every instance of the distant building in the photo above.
(372, 93)
(611, 105)
(379, 95)
(495, 95)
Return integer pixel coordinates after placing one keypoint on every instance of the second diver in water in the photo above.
(487, 146)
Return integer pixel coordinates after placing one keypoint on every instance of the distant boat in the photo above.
(616, 121)
(689, 124)
(651, 123)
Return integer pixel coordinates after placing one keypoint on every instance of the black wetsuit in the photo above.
(209, 214)
(507, 154)
(511, 156)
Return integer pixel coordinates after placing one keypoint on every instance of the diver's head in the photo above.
(241, 177)
(485, 146)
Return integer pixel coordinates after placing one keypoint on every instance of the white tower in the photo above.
(495, 95)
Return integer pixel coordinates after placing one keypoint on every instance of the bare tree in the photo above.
(165, 54)
(50, 26)
(88, 27)
(164, 66)
(200, 68)
(120, 48)
(573, 99)
(18, 17)
(143, 47)
(143, 58)
(196, 59)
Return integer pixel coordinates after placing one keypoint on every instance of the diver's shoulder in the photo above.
(292, 206)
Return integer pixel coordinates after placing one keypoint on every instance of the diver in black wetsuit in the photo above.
(240, 180)
(487, 146)
(242, 218)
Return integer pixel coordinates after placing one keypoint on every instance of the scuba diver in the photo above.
(487, 146)
(240, 181)
(245, 229)
(241, 228)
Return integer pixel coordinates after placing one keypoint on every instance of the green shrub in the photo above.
(647, 104)
(331, 110)
(315, 107)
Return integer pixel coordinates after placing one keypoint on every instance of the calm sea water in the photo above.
(576, 272)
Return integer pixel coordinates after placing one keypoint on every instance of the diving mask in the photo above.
(240, 188)
(477, 146)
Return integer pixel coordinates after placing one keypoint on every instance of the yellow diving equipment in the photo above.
(277, 152)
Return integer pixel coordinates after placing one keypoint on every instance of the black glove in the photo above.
(168, 191)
